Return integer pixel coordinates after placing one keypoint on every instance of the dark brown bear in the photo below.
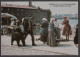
(17, 35)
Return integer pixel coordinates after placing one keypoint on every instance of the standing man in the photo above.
(12, 22)
(28, 29)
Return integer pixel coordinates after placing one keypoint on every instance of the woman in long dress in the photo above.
(67, 28)
(44, 30)
(57, 30)
(51, 37)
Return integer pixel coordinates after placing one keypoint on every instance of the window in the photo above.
(17, 9)
(8, 9)
(22, 9)
(17, 14)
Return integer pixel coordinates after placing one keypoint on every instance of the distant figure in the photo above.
(67, 28)
(12, 22)
(44, 30)
(17, 23)
(10, 30)
(76, 37)
(23, 20)
(22, 24)
(57, 30)
(51, 36)
(73, 31)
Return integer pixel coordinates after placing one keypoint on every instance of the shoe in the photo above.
(24, 45)
(33, 44)
(44, 42)
(11, 44)
(19, 45)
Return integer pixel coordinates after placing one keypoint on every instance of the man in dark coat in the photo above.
(28, 29)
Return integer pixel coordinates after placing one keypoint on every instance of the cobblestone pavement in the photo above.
(64, 48)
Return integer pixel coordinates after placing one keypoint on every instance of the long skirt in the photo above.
(43, 38)
(67, 30)
(51, 41)
(58, 33)
(44, 34)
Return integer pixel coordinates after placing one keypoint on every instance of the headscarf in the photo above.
(52, 19)
(44, 19)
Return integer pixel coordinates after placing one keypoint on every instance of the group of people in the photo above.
(25, 26)
(50, 32)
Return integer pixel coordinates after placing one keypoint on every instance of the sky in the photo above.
(55, 7)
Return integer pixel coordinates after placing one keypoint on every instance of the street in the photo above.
(64, 48)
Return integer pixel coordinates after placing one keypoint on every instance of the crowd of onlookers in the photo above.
(49, 31)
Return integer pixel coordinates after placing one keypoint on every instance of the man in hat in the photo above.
(28, 29)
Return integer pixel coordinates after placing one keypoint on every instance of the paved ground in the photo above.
(64, 48)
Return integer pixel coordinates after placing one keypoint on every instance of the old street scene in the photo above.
(39, 28)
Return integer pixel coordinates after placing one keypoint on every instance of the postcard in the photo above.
(39, 28)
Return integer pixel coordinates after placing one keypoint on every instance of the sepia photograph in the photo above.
(39, 28)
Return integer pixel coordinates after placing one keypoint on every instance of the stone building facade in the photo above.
(21, 11)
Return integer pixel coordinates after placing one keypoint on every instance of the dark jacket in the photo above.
(44, 28)
(26, 25)
(44, 25)
(76, 37)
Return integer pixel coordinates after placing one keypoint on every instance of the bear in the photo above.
(17, 35)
